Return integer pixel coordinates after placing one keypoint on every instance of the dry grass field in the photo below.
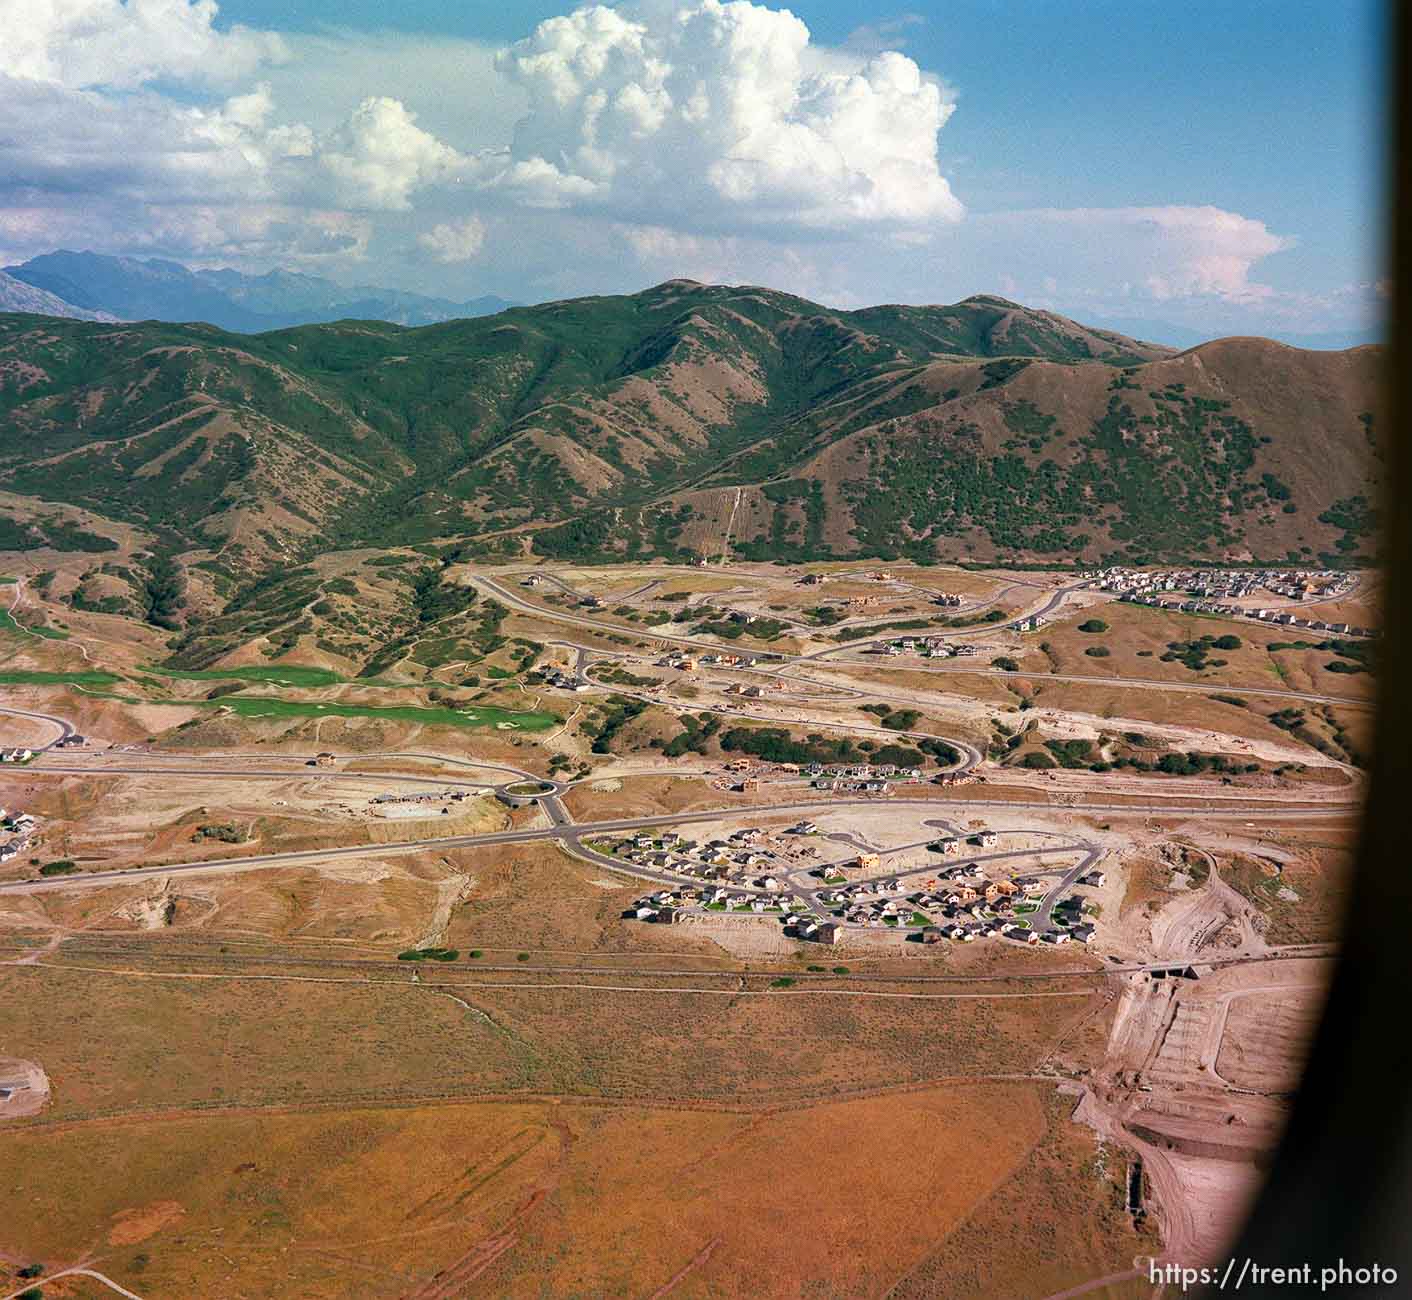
(228, 1121)
(1304, 898)
(1118, 703)
(1138, 636)
(116, 1041)
(381, 904)
(542, 1199)
(1011, 1244)
(646, 796)
(539, 900)
(120, 1031)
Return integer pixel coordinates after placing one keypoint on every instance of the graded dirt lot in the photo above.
(1265, 1039)
(24, 1089)
(1203, 1129)
(118, 821)
(648, 797)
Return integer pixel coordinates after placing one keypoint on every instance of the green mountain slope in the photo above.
(625, 425)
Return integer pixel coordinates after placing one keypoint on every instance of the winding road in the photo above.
(779, 662)
(561, 827)
(571, 833)
(64, 726)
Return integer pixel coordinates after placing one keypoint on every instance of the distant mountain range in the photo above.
(17, 295)
(1183, 336)
(92, 286)
(665, 422)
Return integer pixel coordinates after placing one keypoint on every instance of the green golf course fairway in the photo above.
(265, 707)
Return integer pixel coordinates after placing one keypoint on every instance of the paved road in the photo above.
(982, 629)
(1056, 598)
(970, 755)
(63, 724)
(250, 773)
(784, 673)
(39, 1283)
(569, 835)
(1041, 921)
(509, 597)
(551, 803)
(561, 826)
(970, 758)
(1138, 683)
(575, 831)
(90, 944)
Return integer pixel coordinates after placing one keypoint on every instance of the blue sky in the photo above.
(1202, 167)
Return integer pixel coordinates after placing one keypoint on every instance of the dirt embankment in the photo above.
(24, 1088)
(1195, 1083)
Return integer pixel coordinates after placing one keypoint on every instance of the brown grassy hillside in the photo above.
(612, 427)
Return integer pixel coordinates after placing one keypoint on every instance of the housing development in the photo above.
(662, 867)
(698, 650)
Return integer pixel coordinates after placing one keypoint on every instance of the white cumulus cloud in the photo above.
(1166, 252)
(454, 241)
(142, 115)
(721, 114)
(122, 44)
(380, 155)
(614, 145)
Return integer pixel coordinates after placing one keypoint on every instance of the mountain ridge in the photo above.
(635, 425)
(20, 296)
